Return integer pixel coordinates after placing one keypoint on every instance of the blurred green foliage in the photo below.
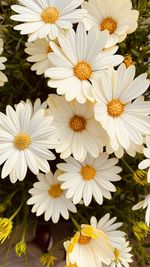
(23, 83)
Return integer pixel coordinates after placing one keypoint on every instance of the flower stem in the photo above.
(75, 223)
(16, 212)
(127, 165)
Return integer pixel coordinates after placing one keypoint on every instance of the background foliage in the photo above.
(23, 84)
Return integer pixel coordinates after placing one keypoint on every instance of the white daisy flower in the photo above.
(35, 106)
(144, 164)
(126, 121)
(144, 204)
(3, 77)
(117, 17)
(24, 141)
(90, 178)
(43, 18)
(39, 51)
(122, 257)
(89, 247)
(76, 128)
(132, 150)
(110, 228)
(78, 62)
(48, 198)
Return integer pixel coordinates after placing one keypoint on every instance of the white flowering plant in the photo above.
(75, 129)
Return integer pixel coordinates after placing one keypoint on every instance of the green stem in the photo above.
(27, 260)
(75, 223)
(125, 163)
(57, 245)
(16, 212)
(23, 235)
(9, 198)
(9, 247)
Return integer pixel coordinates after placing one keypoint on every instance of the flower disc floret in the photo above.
(50, 15)
(108, 24)
(83, 71)
(77, 123)
(22, 141)
(115, 108)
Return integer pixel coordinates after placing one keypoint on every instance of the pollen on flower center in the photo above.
(115, 108)
(88, 172)
(50, 15)
(83, 71)
(77, 123)
(55, 191)
(108, 24)
(84, 240)
(116, 254)
(22, 141)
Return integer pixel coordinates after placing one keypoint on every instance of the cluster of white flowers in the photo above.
(98, 110)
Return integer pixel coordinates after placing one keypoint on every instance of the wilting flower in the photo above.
(47, 260)
(88, 245)
(5, 228)
(141, 230)
(20, 248)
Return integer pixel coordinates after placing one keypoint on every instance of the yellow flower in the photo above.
(20, 248)
(141, 230)
(140, 176)
(47, 260)
(128, 61)
(87, 232)
(5, 228)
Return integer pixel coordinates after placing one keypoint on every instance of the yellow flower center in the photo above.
(83, 71)
(115, 108)
(108, 24)
(22, 141)
(128, 61)
(117, 255)
(77, 123)
(84, 240)
(55, 191)
(88, 172)
(50, 15)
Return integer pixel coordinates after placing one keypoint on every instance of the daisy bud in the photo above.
(5, 228)
(141, 230)
(20, 248)
(47, 260)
